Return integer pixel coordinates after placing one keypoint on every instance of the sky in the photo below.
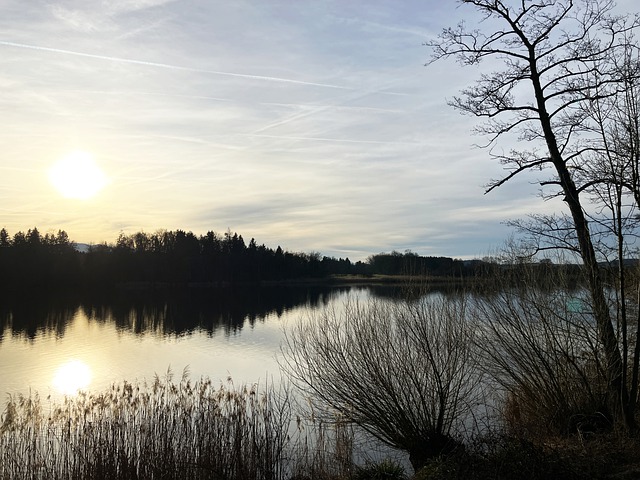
(313, 125)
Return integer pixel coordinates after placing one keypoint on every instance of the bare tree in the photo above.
(612, 179)
(403, 371)
(557, 57)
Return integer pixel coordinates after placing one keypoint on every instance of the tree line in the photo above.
(181, 257)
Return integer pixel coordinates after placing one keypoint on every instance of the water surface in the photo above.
(54, 344)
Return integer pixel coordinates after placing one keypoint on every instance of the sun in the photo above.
(72, 377)
(77, 176)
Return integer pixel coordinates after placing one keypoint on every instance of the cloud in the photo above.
(128, 6)
(168, 66)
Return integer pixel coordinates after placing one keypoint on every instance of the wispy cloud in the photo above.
(332, 140)
(172, 67)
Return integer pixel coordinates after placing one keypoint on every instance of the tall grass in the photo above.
(162, 430)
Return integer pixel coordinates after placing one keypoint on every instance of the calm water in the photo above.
(56, 344)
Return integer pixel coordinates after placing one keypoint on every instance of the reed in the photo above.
(163, 430)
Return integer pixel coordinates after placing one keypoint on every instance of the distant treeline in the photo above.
(179, 257)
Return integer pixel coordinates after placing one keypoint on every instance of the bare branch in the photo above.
(515, 172)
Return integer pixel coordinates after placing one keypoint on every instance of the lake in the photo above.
(54, 344)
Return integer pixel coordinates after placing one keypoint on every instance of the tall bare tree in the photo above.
(555, 55)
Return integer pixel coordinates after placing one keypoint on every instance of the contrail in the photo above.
(172, 67)
(321, 139)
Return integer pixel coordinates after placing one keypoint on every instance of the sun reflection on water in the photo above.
(72, 377)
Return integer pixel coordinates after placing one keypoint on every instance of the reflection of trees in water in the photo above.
(158, 311)
(206, 309)
(30, 313)
(413, 291)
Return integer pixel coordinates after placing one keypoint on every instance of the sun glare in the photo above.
(72, 377)
(77, 176)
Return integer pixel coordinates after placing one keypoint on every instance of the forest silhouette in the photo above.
(180, 258)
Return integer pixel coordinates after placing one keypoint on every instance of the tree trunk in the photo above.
(617, 389)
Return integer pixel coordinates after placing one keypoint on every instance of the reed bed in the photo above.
(163, 430)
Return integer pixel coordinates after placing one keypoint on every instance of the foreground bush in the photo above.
(501, 457)
(405, 371)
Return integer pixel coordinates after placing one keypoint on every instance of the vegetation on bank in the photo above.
(165, 430)
(182, 258)
(183, 429)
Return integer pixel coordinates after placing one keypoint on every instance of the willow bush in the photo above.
(403, 371)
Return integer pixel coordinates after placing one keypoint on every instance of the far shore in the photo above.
(329, 281)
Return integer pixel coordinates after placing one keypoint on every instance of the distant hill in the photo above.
(82, 247)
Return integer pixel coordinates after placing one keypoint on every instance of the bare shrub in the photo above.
(403, 371)
(539, 342)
